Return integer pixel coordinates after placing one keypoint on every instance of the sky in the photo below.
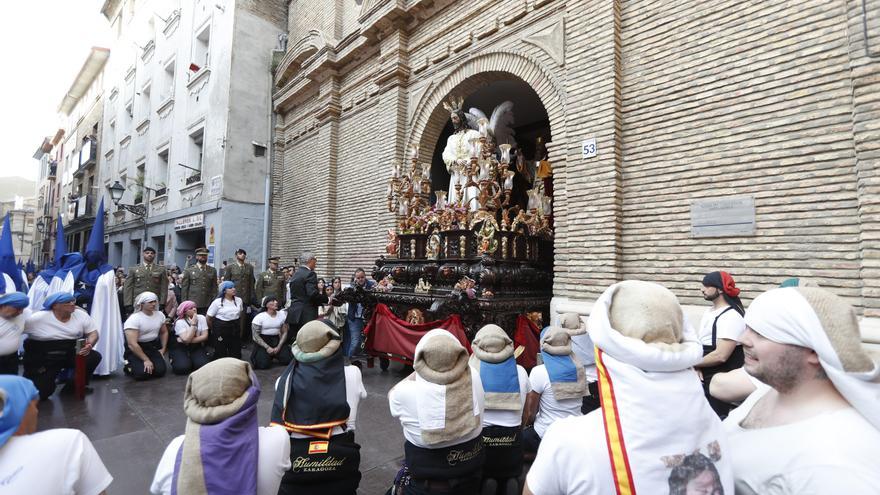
(43, 44)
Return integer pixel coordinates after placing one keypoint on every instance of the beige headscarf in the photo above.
(447, 408)
(492, 345)
(556, 341)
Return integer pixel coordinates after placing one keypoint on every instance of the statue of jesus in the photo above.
(457, 155)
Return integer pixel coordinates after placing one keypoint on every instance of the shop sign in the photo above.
(190, 222)
(723, 217)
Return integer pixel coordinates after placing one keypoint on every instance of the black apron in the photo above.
(734, 361)
(462, 460)
(504, 452)
(323, 467)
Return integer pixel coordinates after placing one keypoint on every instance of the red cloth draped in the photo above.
(527, 335)
(386, 333)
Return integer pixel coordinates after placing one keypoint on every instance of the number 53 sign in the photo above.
(588, 148)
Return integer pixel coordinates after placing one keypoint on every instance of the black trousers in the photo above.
(44, 359)
(186, 358)
(9, 364)
(531, 439)
(135, 366)
(225, 339)
(263, 361)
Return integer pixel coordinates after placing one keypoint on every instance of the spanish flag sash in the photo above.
(623, 478)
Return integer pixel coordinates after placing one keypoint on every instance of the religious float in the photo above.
(472, 257)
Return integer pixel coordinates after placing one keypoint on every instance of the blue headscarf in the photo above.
(15, 299)
(224, 287)
(56, 298)
(559, 368)
(16, 394)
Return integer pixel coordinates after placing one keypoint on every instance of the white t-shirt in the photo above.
(61, 461)
(834, 452)
(499, 417)
(268, 324)
(10, 332)
(226, 311)
(403, 400)
(273, 454)
(730, 326)
(572, 458)
(550, 409)
(147, 326)
(582, 347)
(43, 325)
(181, 326)
(354, 393)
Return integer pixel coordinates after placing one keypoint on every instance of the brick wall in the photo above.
(770, 99)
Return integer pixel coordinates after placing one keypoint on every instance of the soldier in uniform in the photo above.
(271, 284)
(146, 277)
(199, 282)
(241, 273)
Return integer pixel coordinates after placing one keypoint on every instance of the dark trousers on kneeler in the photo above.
(186, 358)
(9, 364)
(43, 359)
(263, 361)
(135, 367)
(225, 339)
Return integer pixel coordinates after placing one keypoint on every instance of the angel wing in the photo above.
(473, 117)
(501, 122)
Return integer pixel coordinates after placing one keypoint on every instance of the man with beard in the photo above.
(145, 277)
(813, 423)
(720, 329)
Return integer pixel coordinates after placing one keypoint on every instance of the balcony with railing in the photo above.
(84, 207)
(87, 156)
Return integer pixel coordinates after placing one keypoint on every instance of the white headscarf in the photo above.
(819, 320)
(145, 297)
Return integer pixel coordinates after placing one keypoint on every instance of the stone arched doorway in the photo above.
(428, 117)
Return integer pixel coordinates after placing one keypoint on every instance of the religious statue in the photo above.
(432, 248)
(415, 316)
(391, 246)
(423, 287)
(459, 148)
(457, 154)
(486, 235)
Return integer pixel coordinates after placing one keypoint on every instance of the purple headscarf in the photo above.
(220, 450)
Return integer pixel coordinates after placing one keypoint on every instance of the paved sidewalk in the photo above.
(130, 423)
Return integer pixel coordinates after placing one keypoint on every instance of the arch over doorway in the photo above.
(430, 117)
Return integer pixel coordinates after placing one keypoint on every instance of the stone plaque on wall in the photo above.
(723, 217)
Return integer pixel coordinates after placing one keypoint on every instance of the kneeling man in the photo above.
(56, 335)
(440, 408)
(316, 400)
(812, 424)
(655, 432)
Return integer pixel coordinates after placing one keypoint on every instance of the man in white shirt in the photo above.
(583, 349)
(654, 433)
(224, 450)
(57, 335)
(316, 401)
(813, 424)
(440, 407)
(13, 313)
(51, 461)
(505, 385)
(557, 387)
(720, 329)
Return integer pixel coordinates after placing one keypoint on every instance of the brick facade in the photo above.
(775, 100)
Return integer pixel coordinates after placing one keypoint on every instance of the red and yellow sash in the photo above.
(623, 478)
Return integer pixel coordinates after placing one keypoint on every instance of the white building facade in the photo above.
(186, 125)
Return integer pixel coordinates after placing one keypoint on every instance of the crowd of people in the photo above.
(779, 397)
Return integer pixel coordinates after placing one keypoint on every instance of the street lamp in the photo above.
(41, 226)
(116, 192)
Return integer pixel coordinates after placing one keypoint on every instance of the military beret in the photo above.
(148, 248)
